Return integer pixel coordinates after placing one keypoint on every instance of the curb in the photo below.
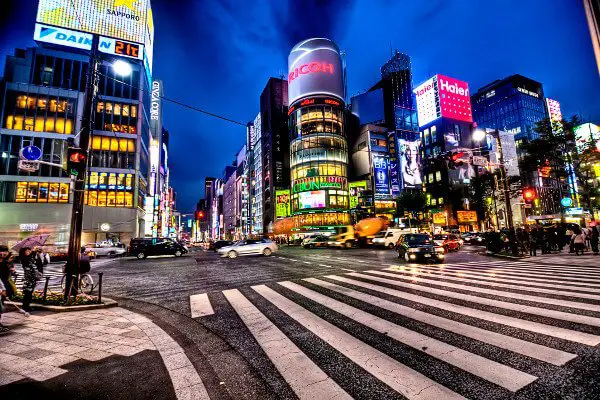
(106, 303)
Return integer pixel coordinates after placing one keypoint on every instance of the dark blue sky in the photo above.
(219, 54)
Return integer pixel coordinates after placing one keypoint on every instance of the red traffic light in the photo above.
(529, 194)
(77, 157)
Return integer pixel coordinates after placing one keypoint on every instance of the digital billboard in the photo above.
(442, 96)
(282, 203)
(129, 20)
(355, 189)
(554, 110)
(313, 199)
(381, 174)
(315, 67)
(410, 163)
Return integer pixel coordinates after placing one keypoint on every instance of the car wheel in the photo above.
(311, 246)
(348, 245)
(391, 246)
(232, 254)
(141, 255)
(406, 257)
(111, 254)
(178, 253)
(267, 252)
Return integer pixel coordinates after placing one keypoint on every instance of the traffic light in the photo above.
(454, 159)
(529, 195)
(76, 160)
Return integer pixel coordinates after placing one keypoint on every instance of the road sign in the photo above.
(28, 166)
(566, 202)
(31, 153)
(479, 160)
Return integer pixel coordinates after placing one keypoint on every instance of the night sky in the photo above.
(219, 54)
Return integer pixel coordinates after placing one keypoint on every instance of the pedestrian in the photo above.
(588, 237)
(569, 239)
(532, 244)
(579, 242)
(28, 262)
(539, 240)
(3, 329)
(7, 270)
(594, 239)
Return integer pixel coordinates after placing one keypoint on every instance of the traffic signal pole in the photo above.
(72, 267)
(506, 190)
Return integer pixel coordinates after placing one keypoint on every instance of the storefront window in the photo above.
(42, 192)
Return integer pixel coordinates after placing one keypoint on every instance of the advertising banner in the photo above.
(410, 163)
(466, 217)
(282, 203)
(381, 175)
(62, 37)
(121, 19)
(442, 96)
(315, 68)
(439, 218)
(319, 182)
(313, 199)
(427, 102)
(355, 189)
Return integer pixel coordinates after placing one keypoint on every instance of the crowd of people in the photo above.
(545, 239)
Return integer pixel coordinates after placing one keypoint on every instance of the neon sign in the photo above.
(320, 182)
(313, 67)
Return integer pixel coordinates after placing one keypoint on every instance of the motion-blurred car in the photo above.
(475, 238)
(449, 241)
(265, 247)
(318, 241)
(214, 246)
(419, 247)
(105, 249)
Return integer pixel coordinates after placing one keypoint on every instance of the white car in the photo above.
(248, 247)
(102, 249)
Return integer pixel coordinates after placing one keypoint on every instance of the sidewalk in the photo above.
(108, 353)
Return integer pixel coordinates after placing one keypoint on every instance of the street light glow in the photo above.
(479, 135)
(122, 68)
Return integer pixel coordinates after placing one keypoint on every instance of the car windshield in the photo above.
(380, 235)
(417, 239)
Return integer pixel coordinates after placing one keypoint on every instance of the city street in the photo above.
(364, 324)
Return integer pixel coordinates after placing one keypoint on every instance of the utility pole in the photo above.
(72, 267)
(506, 190)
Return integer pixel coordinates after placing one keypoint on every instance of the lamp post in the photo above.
(87, 121)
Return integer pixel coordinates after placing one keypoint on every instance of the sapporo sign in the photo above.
(319, 183)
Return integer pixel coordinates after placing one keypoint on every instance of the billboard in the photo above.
(586, 134)
(381, 175)
(355, 189)
(129, 20)
(313, 199)
(315, 67)
(442, 96)
(410, 163)
(466, 217)
(554, 110)
(282, 203)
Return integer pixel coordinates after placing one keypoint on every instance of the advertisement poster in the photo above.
(410, 163)
(282, 203)
(313, 199)
(356, 188)
(381, 173)
(466, 217)
(439, 218)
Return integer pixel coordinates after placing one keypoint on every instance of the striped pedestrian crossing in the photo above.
(467, 330)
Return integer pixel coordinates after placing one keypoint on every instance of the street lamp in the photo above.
(122, 68)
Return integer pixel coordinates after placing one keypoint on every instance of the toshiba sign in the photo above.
(442, 96)
(315, 68)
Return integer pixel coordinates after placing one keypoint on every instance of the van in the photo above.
(388, 238)
(144, 247)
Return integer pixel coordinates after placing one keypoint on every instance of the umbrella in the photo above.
(31, 241)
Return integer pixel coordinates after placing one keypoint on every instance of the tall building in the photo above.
(514, 104)
(318, 144)
(256, 178)
(229, 201)
(592, 13)
(241, 193)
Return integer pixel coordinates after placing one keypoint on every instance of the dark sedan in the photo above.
(419, 247)
(214, 246)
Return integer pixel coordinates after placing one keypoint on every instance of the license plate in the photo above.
(427, 255)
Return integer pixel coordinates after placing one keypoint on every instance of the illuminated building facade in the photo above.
(318, 144)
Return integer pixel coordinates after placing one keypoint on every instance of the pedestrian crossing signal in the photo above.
(76, 160)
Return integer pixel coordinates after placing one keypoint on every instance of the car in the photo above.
(144, 247)
(475, 238)
(317, 241)
(265, 247)
(449, 241)
(214, 246)
(387, 238)
(105, 249)
(419, 247)
(308, 238)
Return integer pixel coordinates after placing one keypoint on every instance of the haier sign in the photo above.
(442, 96)
(63, 37)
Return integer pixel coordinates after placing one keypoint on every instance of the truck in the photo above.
(349, 236)
(389, 237)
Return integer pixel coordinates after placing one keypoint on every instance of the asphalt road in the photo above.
(361, 323)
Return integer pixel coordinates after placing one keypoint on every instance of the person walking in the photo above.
(7, 269)
(532, 242)
(579, 242)
(3, 329)
(28, 261)
(594, 239)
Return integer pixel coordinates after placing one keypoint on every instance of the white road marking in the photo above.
(200, 305)
(325, 265)
(418, 277)
(399, 377)
(561, 333)
(533, 350)
(492, 371)
(305, 378)
(558, 271)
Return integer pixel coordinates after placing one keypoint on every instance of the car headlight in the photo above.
(439, 250)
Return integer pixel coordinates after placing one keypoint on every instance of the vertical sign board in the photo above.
(282, 203)
(442, 96)
(355, 189)
(381, 175)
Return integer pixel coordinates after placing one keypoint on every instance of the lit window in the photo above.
(21, 192)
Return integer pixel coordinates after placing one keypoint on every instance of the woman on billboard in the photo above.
(411, 166)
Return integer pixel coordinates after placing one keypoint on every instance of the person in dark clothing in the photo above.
(28, 262)
(532, 242)
(7, 268)
(539, 240)
(594, 239)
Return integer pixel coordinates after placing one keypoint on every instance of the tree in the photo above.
(412, 202)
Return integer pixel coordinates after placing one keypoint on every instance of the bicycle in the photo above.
(86, 283)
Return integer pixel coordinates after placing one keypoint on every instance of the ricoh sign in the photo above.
(442, 96)
(315, 68)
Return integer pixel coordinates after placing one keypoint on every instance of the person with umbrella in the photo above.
(27, 258)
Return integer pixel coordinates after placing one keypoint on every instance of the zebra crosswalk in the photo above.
(496, 329)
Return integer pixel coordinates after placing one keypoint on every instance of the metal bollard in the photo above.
(46, 289)
(100, 287)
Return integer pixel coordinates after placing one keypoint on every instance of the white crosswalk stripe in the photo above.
(498, 324)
